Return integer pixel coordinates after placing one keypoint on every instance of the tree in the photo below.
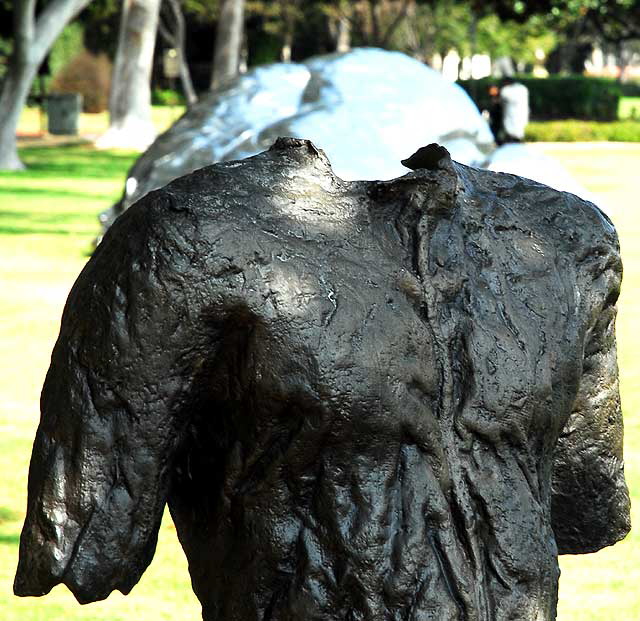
(616, 24)
(33, 36)
(228, 45)
(373, 22)
(172, 29)
(434, 28)
(130, 123)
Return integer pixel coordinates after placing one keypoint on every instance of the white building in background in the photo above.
(603, 63)
(454, 67)
(475, 67)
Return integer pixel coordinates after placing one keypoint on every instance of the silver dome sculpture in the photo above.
(367, 109)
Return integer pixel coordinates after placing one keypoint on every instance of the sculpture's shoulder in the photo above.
(249, 230)
(287, 191)
(516, 208)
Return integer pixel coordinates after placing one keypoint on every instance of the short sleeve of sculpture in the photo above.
(590, 500)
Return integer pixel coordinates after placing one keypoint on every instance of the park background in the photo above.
(580, 61)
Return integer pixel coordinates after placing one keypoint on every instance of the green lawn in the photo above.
(629, 108)
(47, 222)
(33, 121)
(603, 586)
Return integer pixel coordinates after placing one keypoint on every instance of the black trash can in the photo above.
(63, 113)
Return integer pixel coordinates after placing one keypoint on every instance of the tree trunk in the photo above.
(343, 40)
(287, 45)
(32, 41)
(375, 22)
(399, 18)
(130, 124)
(287, 8)
(623, 62)
(16, 86)
(176, 38)
(226, 58)
(339, 25)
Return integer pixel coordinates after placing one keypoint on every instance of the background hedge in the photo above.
(563, 97)
(583, 131)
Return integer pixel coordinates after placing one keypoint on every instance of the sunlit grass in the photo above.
(47, 222)
(48, 219)
(629, 108)
(603, 586)
(33, 121)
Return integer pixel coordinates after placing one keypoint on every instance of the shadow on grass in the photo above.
(74, 161)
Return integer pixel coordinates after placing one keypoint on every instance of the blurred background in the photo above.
(103, 100)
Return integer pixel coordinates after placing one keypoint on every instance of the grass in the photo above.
(47, 221)
(573, 130)
(629, 108)
(603, 586)
(34, 122)
(625, 129)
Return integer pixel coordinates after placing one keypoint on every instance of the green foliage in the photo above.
(5, 52)
(166, 97)
(66, 47)
(434, 28)
(442, 25)
(562, 97)
(583, 131)
(101, 23)
(518, 41)
(575, 97)
(264, 48)
(630, 89)
(88, 75)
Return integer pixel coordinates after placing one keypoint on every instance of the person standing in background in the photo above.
(494, 114)
(514, 98)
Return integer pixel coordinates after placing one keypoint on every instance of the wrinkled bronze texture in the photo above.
(361, 400)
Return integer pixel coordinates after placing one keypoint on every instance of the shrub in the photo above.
(563, 97)
(583, 131)
(630, 89)
(66, 47)
(89, 75)
(166, 97)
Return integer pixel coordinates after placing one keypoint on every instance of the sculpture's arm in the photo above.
(590, 500)
(113, 410)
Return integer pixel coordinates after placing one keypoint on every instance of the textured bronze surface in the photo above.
(361, 400)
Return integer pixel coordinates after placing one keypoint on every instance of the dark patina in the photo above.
(361, 400)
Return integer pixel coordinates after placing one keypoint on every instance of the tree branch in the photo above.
(177, 40)
(402, 14)
(375, 23)
(24, 25)
(50, 23)
(165, 33)
(342, 14)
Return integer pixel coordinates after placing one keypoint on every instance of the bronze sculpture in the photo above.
(361, 400)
